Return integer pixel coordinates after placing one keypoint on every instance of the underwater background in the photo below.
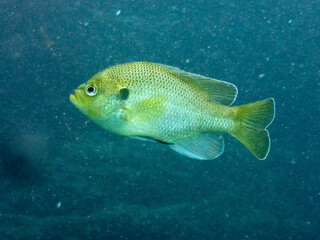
(63, 177)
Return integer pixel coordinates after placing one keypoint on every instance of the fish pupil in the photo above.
(90, 89)
(124, 94)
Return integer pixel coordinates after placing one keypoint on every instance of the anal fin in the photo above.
(206, 146)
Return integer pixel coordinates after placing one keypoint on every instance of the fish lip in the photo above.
(74, 98)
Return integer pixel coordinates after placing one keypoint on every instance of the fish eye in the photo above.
(91, 90)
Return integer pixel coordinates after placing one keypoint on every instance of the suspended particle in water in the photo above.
(58, 205)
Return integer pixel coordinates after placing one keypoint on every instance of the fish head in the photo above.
(97, 98)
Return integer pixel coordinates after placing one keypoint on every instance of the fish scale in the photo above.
(179, 91)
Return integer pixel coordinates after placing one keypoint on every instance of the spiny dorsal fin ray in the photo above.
(218, 91)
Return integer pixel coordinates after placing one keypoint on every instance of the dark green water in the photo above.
(63, 177)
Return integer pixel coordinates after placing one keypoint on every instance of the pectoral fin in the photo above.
(204, 147)
(146, 110)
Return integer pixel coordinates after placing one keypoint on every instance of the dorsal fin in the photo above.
(218, 91)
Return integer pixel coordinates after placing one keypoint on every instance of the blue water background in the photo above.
(63, 177)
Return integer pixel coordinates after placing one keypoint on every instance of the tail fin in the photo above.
(251, 121)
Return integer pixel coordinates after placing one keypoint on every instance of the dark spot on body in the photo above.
(124, 94)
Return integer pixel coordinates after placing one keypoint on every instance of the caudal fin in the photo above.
(251, 121)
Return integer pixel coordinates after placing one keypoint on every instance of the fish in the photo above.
(188, 112)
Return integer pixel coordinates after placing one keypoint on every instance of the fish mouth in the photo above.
(74, 98)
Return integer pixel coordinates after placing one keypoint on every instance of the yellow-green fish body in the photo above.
(182, 109)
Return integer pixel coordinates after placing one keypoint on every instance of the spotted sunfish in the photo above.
(186, 111)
